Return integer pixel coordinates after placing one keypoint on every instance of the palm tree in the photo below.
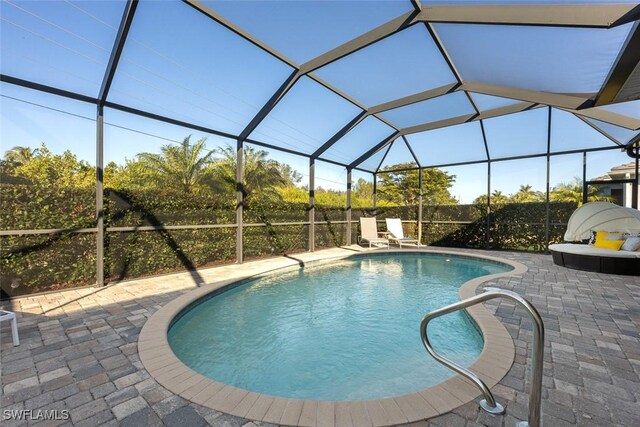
(498, 198)
(261, 175)
(20, 155)
(182, 167)
(572, 192)
(526, 195)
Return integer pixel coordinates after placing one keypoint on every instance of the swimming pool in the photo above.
(344, 331)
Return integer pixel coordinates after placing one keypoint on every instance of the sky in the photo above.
(211, 77)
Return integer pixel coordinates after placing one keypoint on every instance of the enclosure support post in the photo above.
(312, 205)
(420, 206)
(547, 224)
(239, 201)
(585, 190)
(118, 45)
(349, 207)
(375, 193)
(100, 196)
(487, 234)
(635, 189)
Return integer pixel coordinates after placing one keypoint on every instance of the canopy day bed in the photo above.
(613, 236)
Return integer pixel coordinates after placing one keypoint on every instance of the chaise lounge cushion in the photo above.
(576, 249)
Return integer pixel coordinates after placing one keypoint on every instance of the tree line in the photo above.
(191, 168)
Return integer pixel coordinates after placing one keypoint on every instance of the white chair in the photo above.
(369, 232)
(394, 227)
(7, 315)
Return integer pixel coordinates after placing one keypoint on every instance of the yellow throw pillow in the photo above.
(614, 245)
(602, 236)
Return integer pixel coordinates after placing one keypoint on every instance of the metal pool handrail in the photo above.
(489, 404)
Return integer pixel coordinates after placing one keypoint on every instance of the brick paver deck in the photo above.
(78, 352)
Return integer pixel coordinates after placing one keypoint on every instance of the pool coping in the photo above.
(491, 366)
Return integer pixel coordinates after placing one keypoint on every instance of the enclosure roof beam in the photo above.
(83, 98)
(358, 43)
(509, 109)
(239, 31)
(626, 122)
(504, 159)
(412, 99)
(600, 131)
(342, 132)
(367, 112)
(439, 124)
(379, 33)
(413, 154)
(384, 156)
(48, 89)
(352, 101)
(556, 15)
(626, 71)
(373, 149)
(269, 105)
(116, 51)
(561, 100)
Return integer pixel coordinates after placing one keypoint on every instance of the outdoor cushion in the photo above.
(631, 244)
(613, 245)
(572, 248)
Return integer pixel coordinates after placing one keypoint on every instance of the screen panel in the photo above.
(391, 67)
(623, 135)
(398, 156)
(631, 108)
(432, 110)
(207, 75)
(568, 132)
(517, 134)
(159, 174)
(306, 29)
(305, 118)
(66, 45)
(489, 102)
(373, 162)
(365, 135)
(48, 174)
(553, 59)
(453, 144)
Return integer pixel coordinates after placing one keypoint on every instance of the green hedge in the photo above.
(127, 208)
(515, 226)
(54, 261)
(143, 253)
(25, 207)
(46, 262)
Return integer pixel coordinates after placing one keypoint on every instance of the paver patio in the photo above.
(79, 350)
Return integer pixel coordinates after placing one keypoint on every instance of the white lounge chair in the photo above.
(11, 317)
(369, 232)
(394, 228)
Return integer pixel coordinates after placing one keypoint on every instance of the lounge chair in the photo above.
(394, 228)
(369, 232)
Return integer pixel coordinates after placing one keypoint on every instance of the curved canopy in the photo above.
(604, 216)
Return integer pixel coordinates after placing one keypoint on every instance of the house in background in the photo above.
(621, 193)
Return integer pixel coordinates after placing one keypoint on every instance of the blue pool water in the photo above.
(344, 331)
